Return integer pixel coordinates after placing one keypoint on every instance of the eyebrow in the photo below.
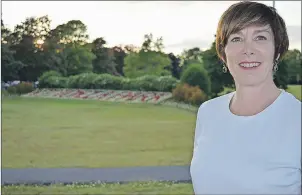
(262, 30)
(257, 31)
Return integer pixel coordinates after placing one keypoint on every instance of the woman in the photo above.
(249, 141)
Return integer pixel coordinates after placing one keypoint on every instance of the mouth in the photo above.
(249, 65)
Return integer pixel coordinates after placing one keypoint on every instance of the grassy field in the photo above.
(131, 188)
(76, 133)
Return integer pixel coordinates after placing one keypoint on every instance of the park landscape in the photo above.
(54, 132)
(101, 107)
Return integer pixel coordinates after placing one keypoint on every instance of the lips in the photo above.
(249, 64)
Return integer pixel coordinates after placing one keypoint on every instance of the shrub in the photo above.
(57, 82)
(4, 93)
(107, 81)
(24, 87)
(196, 75)
(72, 81)
(21, 88)
(12, 90)
(147, 82)
(86, 80)
(167, 83)
(43, 79)
(82, 81)
(130, 84)
(189, 94)
(153, 83)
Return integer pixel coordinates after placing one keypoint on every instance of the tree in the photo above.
(147, 44)
(175, 65)
(151, 45)
(119, 56)
(193, 55)
(27, 53)
(36, 27)
(27, 44)
(77, 60)
(281, 76)
(148, 60)
(9, 66)
(105, 59)
(293, 60)
(52, 57)
(131, 48)
(5, 34)
(66, 49)
(158, 44)
(73, 32)
(142, 63)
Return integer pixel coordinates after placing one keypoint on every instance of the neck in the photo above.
(250, 100)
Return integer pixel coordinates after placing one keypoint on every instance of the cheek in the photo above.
(267, 49)
(267, 53)
(231, 55)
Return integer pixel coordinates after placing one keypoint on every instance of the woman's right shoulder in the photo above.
(215, 105)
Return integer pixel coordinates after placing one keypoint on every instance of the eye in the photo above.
(260, 38)
(236, 39)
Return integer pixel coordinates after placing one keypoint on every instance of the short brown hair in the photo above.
(240, 15)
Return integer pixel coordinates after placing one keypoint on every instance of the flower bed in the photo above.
(103, 95)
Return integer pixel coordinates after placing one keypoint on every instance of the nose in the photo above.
(248, 48)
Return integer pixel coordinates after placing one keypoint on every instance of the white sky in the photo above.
(182, 25)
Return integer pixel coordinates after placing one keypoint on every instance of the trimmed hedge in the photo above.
(52, 79)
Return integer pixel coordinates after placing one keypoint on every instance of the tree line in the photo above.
(33, 48)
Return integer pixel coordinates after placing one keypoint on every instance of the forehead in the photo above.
(256, 28)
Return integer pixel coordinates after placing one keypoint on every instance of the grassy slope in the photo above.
(76, 133)
(60, 108)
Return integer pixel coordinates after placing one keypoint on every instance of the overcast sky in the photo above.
(182, 24)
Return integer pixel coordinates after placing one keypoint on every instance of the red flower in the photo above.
(143, 98)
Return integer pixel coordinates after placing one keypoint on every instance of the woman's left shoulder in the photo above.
(291, 101)
(290, 108)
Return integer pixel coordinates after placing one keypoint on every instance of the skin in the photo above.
(255, 88)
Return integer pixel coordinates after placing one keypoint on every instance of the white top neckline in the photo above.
(231, 114)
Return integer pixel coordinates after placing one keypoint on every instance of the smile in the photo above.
(249, 64)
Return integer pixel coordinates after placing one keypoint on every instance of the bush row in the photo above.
(53, 79)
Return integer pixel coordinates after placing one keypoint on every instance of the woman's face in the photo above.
(250, 55)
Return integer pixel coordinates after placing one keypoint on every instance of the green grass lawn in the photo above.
(130, 188)
(77, 133)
